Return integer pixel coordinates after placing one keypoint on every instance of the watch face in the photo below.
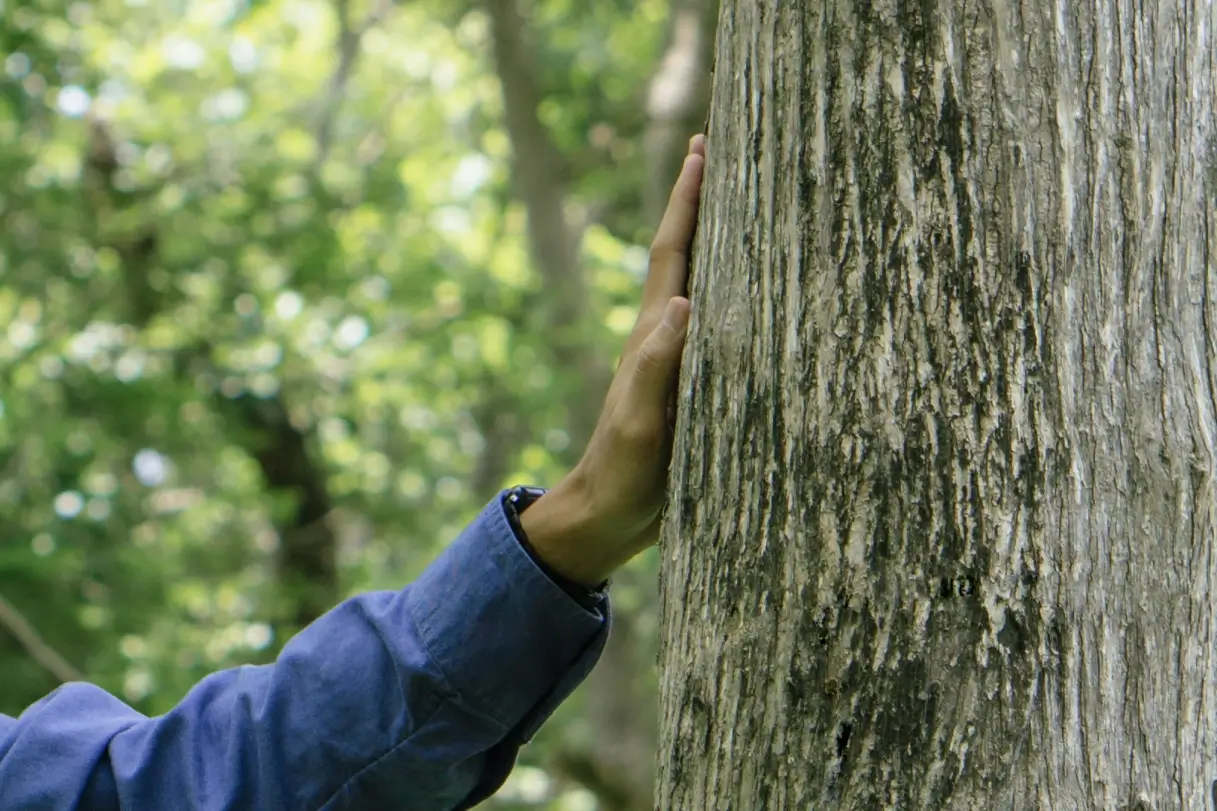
(524, 496)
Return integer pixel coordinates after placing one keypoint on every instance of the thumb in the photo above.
(658, 361)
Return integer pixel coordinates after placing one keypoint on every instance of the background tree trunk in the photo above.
(677, 98)
(616, 763)
(942, 526)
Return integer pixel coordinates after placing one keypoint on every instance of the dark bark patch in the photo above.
(1022, 273)
(844, 730)
(1012, 635)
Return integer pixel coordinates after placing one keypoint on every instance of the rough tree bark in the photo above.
(942, 526)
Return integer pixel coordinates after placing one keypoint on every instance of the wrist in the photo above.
(563, 532)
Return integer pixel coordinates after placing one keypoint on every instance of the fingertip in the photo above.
(676, 313)
(691, 173)
(697, 145)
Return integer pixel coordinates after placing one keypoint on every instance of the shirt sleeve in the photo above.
(415, 700)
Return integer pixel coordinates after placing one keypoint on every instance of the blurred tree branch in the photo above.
(136, 247)
(537, 174)
(42, 653)
(348, 42)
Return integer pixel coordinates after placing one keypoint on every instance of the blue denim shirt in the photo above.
(414, 700)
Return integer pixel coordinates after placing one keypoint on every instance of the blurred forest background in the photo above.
(288, 290)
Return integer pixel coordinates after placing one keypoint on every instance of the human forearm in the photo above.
(392, 700)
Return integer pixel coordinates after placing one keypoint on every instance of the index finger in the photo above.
(669, 261)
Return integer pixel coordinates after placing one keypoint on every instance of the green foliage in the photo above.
(198, 223)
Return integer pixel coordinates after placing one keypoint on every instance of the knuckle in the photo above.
(648, 318)
(664, 253)
(642, 331)
(648, 356)
(634, 430)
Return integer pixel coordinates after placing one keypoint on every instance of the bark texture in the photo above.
(942, 524)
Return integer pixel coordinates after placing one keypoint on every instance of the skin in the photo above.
(608, 508)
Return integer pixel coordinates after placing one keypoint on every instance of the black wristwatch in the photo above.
(516, 501)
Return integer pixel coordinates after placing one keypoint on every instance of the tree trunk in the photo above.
(942, 526)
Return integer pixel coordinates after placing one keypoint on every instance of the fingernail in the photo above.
(676, 314)
(690, 159)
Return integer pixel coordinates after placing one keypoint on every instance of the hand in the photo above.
(608, 508)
